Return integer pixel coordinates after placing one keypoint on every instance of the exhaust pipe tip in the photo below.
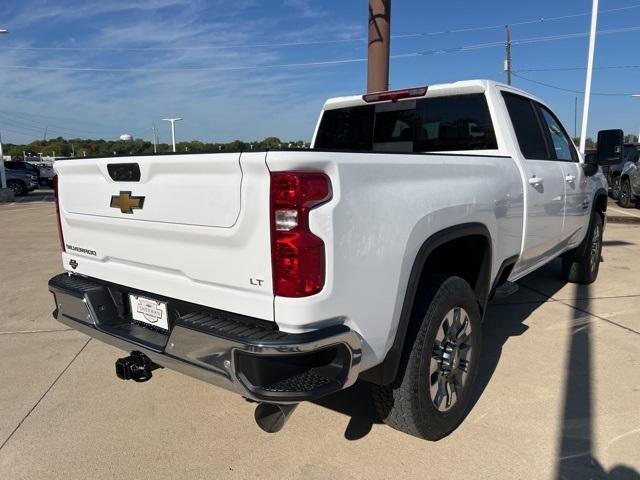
(272, 417)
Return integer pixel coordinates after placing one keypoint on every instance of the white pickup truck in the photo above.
(286, 276)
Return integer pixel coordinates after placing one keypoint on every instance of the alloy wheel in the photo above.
(624, 194)
(594, 258)
(615, 188)
(450, 359)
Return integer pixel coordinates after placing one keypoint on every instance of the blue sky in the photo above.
(103, 68)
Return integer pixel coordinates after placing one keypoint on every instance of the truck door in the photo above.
(544, 184)
(577, 194)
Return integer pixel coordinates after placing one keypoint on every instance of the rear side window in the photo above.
(460, 122)
(457, 122)
(346, 129)
(526, 125)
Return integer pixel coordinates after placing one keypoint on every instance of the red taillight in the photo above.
(297, 255)
(395, 95)
(55, 192)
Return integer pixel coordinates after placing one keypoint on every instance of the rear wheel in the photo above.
(582, 264)
(432, 393)
(625, 193)
(615, 187)
(19, 188)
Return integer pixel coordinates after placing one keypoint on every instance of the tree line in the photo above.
(61, 147)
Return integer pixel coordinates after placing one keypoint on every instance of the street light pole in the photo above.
(3, 176)
(155, 139)
(173, 130)
(637, 96)
(587, 90)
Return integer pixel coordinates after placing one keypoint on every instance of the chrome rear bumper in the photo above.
(247, 356)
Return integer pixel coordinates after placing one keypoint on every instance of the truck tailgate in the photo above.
(183, 230)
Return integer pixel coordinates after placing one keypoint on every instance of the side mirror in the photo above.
(610, 147)
(590, 164)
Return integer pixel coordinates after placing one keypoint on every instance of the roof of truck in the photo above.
(455, 88)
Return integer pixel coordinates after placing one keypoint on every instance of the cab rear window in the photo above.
(449, 123)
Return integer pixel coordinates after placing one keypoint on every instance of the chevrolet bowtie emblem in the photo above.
(126, 203)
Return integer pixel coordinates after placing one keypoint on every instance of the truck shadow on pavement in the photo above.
(575, 457)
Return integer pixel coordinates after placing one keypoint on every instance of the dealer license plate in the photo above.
(149, 311)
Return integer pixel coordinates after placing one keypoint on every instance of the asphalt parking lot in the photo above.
(559, 394)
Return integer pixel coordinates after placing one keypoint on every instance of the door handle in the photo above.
(535, 181)
(570, 178)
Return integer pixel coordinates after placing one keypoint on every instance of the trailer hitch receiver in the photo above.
(136, 367)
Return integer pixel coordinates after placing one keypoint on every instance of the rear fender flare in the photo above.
(385, 372)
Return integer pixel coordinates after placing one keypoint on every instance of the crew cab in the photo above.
(286, 276)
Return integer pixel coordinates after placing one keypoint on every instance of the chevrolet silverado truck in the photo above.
(285, 276)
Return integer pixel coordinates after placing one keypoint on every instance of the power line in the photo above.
(568, 90)
(479, 46)
(39, 127)
(569, 69)
(325, 42)
(26, 121)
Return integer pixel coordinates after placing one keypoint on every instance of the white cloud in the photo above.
(306, 8)
(246, 104)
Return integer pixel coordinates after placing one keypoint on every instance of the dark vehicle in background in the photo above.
(21, 177)
(613, 172)
(630, 178)
(45, 174)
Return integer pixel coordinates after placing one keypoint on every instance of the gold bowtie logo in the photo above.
(126, 203)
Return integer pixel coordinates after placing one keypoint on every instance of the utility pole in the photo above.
(587, 90)
(379, 45)
(3, 176)
(507, 60)
(173, 130)
(575, 118)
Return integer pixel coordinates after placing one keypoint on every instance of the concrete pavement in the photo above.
(559, 393)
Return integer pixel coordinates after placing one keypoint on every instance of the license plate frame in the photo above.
(149, 311)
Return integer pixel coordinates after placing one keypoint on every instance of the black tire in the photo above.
(582, 264)
(19, 188)
(615, 187)
(409, 403)
(625, 200)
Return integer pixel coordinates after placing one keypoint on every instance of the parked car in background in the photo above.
(46, 175)
(20, 178)
(630, 178)
(613, 172)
